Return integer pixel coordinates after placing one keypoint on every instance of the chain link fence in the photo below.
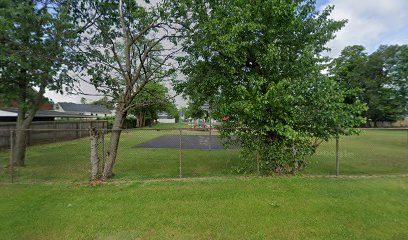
(372, 152)
(169, 153)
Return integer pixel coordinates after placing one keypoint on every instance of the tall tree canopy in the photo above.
(34, 36)
(260, 61)
(379, 79)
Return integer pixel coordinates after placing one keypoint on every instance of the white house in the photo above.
(164, 118)
(10, 115)
(83, 109)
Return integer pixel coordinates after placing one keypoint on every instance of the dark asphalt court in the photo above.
(188, 142)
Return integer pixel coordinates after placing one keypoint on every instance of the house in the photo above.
(10, 115)
(163, 117)
(89, 110)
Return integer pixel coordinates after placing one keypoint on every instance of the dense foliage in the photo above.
(379, 79)
(34, 40)
(195, 110)
(152, 100)
(260, 63)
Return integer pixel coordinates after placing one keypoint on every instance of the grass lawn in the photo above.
(51, 200)
(373, 152)
(169, 125)
(220, 208)
(69, 161)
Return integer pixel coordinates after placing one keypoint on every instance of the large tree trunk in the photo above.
(19, 147)
(20, 144)
(138, 120)
(24, 119)
(113, 144)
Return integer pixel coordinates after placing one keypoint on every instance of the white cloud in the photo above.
(91, 94)
(370, 23)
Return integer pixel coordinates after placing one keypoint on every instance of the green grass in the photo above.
(373, 152)
(168, 125)
(227, 208)
(51, 200)
(69, 161)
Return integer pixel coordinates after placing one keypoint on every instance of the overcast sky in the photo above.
(370, 23)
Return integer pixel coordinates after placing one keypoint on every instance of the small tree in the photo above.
(149, 102)
(195, 110)
(126, 45)
(104, 101)
(84, 100)
(34, 38)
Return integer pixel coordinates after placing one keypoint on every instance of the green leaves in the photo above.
(151, 100)
(34, 44)
(378, 80)
(260, 62)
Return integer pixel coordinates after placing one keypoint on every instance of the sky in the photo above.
(371, 23)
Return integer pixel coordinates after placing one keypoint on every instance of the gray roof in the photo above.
(47, 113)
(83, 108)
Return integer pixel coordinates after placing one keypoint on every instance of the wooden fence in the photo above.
(47, 131)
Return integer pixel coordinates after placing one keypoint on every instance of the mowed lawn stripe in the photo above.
(231, 208)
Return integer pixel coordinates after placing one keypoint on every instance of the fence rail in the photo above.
(50, 131)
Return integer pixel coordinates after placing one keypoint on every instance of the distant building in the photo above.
(182, 114)
(10, 115)
(88, 110)
(163, 117)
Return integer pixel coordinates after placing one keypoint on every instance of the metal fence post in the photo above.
(55, 132)
(11, 156)
(337, 156)
(181, 153)
(80, 129)
(103, 151)
(209, 142)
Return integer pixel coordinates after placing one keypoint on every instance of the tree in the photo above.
(399, 74)
(378, 79)
(126, 45)
(149, 102)
(84, 100)
(261, 62)
(195, 110)
(348, 71)
(33, 44)
(106, 102)
(384, 91)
